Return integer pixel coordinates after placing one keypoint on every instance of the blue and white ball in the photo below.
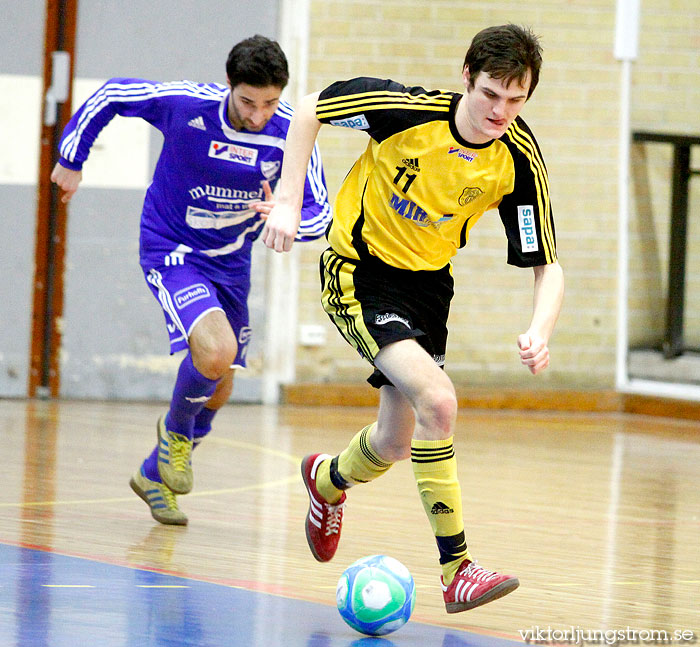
(376, 595)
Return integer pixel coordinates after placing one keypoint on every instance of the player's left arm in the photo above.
(526, 213)
(533, 344)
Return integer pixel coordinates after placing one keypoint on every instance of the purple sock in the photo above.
(150, 467)
(191, 392)
(202, 424)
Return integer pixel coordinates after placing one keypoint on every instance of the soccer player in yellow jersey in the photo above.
(436, 161)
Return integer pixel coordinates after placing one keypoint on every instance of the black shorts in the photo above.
(373, 305)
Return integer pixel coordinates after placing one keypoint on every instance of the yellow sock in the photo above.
(435, 469)
(357, 463)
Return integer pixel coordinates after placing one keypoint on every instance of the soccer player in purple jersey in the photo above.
(212, 187)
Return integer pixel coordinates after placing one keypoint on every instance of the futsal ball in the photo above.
(376, 595)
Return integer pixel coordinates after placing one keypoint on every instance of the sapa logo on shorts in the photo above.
(528, 233)
(190, 294)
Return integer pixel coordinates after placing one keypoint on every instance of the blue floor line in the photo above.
(52, 600)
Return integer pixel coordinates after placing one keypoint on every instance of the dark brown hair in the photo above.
(257, 61)
(505, 52)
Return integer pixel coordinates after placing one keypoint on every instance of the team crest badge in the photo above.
(469, 194)
(269, 169)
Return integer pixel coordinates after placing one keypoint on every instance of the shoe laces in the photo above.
(334, 519)
(180, 453)
(473, 570)
(169, 497)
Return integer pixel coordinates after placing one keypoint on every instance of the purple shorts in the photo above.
(186, 296)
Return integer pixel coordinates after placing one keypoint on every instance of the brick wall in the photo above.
(574, 114)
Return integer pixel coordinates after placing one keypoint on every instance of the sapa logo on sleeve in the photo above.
(528, 233)
(358, 122)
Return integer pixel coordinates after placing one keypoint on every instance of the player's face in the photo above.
(491, 105)
(250, 108)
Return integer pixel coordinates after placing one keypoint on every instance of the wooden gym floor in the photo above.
(598, 514)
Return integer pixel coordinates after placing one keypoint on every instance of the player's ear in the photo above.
(465, 76)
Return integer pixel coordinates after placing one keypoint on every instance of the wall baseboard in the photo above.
(360, 395)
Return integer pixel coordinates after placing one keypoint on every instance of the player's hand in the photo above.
(66, 179)
(281, 226)
(534, 352)
(263, 207)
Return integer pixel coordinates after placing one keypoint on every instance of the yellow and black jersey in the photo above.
(413, 196)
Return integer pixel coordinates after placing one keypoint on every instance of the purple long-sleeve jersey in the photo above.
(207, 173)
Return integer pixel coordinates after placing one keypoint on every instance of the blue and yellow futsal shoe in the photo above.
(159, 498)
(174, 459)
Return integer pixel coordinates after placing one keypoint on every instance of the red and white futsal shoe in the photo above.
(324, 520)
(474, 586)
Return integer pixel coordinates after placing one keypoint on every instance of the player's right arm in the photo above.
(118, 96)
(282, 223)
(66, 179)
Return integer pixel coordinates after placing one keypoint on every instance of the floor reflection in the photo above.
(33, 574)
(39, 483)
(60, 600)
(598, 515)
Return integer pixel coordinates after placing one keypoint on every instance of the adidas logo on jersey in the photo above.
(440, 508)
(412, 163)
(197, 122)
